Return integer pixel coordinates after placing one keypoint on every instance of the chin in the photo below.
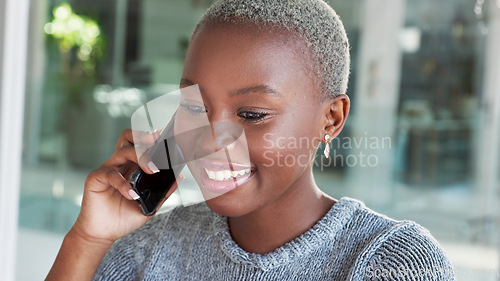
(224, 205)
(238, 202)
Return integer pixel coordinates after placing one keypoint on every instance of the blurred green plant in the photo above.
(81, 46)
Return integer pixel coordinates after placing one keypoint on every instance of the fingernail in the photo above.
(132, 194)
(153, 168)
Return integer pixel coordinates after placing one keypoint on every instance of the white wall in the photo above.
(488, 152)
(13, 38)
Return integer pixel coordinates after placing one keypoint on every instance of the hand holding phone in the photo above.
(153, 188)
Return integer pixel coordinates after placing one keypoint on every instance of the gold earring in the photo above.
(326, 152)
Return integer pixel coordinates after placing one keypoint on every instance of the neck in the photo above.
(281, 221)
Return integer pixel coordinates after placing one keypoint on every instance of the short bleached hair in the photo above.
(312, 21)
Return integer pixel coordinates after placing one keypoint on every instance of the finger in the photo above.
(102, 179)
(146, 139)
(135, 137)
(128, 169)
(145, 142)
(121, 157)
(126, 139)
(128, 154)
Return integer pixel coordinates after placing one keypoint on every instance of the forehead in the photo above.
(236, 54)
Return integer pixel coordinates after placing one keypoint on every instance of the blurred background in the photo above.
(421, 143)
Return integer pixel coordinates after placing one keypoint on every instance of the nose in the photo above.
(219, 135)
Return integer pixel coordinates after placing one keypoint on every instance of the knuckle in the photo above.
(126, 132)
(130, 153)
(125, 136)
(123, 155)
(121, 152)
(128, 149)
(93, 174)
(112, 174)
(125, 149)
(124, 185)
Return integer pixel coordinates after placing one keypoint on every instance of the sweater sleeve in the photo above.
(406, 251)
(126, 258)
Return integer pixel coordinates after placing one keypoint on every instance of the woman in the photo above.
(279, 69)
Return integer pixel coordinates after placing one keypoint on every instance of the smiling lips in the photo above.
(222, 175)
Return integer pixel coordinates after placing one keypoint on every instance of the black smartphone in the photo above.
(167, 156)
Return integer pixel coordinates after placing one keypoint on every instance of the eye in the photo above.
(193, 109)
(252, 116)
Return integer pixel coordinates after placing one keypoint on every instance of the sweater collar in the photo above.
(311, 240)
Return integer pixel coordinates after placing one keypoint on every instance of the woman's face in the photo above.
(257, 82)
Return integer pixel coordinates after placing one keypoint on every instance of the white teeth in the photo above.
(225, 174)
(219, 175)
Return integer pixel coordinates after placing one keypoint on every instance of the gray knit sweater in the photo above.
(351, 242)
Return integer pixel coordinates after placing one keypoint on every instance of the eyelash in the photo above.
(246, 115)
(194, 109)
(249, 116)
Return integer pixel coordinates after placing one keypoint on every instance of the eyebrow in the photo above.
(262, 89)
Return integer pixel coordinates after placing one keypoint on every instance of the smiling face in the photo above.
(258, 82)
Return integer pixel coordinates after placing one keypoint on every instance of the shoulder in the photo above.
(397, 250)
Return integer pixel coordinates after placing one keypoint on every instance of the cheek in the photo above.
(287, 150)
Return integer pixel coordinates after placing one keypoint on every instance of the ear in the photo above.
(335, 113)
